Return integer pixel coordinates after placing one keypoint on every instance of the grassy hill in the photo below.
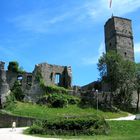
(43, 112)
(120, 130)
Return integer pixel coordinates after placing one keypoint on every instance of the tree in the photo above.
(126, 84)
(17, 91)
(137, 84)
(119, 74)
(13, 66)
(109, 67)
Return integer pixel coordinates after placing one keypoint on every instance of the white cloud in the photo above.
(100, 10)
(94, 60)
(36, 22)
(42, 21)
(122, 7)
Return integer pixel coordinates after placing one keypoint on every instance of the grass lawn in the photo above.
(120, 130)
(44, 112)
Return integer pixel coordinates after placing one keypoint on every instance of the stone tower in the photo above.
(119, 37)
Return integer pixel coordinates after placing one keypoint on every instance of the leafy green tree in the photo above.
(109, 67)
(119, 74)
(137, 83)
(17, 91)
(126, 84)
(13, 66)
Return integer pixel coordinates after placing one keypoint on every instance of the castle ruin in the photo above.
(118, 37)
(51, 74)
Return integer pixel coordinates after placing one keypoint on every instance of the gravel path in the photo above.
(8, 134)
(129, 118)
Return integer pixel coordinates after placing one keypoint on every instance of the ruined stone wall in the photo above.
(49, 73)
(4, 87)
(7, 120)
(29, 85)
(11, 77)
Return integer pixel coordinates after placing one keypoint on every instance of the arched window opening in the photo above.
(57, 78)
(19, 79)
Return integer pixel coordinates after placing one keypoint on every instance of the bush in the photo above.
(75, 126)
(55, 89)
(43, 100)
(17, 91)
(57, 100)
(88, 99)
(35, 129)
(10, 101)
(72, 99)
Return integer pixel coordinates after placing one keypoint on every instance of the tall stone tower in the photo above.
(119, 37)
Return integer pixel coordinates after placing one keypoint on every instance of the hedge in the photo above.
(74, 126)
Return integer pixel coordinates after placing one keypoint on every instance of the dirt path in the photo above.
(129, 118)
(8, 134)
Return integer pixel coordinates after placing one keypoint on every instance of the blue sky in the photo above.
(61, 32)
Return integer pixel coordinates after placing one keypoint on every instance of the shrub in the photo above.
(75, 126)
(72, 99)
(100, 127)
(36, 129)
(88, 100)
(10, 101)
(17, 91)
(56, 89)
(43, 100)
(57, 100)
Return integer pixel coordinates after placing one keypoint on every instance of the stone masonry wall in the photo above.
(4, 87)
(119, 37)
(29, 85)
(6, 121)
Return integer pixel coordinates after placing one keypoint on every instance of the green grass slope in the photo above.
(44, 112)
